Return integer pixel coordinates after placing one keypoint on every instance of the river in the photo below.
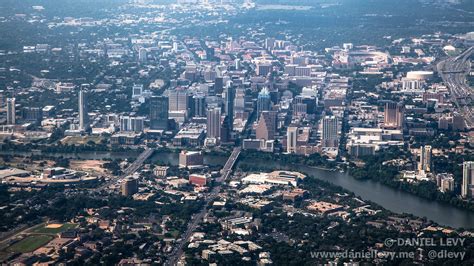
(387, 197)
(391, 199)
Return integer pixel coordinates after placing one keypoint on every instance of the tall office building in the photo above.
(393, 115)
(263, 68)
(214, 123)
(269, 43)
(299, 107)
(175, 47)
(124, 123)
(32, 114)
(237, 64)
(178, 101)
(11, 111)
(425, 159)
(226, 129)
(467, 188)
(239, 101)
(137, 90)
(266, 126)
(199, 106)
(190, 159)
(142, 55)
(83, 116)
(264, 102)
(178, 105)
(159, 112)
(129, 187)
(329, 138)
(458, 122)
(229, 105)
(132, 123)
(218, 86)
(209, 75)
(291, 139)
(2, 98)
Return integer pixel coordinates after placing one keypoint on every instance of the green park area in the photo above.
(30, 243)
(81, 140)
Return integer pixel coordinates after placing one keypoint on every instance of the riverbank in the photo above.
(376, 171)
(389, 198)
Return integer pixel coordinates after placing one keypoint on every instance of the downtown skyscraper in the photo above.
(83, 116)
(229, 105)
(467, 186)
(329, 137)
(214, 123)
(393, 115)
(266, 126)
(159, 112)
(264, 102)
(11, 111)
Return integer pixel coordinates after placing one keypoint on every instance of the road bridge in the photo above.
(197, 218)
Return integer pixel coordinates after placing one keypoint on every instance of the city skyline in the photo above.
(236, 132)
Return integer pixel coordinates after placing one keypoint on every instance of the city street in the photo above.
(197, 218)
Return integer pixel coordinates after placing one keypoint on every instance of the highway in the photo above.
(453, 71)
(197, 218)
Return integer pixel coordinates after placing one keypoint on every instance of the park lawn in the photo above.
(172, 234)
(81, 140)
(64, 227)
(30, 243)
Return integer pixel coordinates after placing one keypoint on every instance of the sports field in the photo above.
(54, 228)
(30, 243)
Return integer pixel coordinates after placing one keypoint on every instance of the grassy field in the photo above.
(30, 243)
(78, 140)
(45, 230)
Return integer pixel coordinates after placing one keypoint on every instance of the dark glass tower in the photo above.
(159, 112)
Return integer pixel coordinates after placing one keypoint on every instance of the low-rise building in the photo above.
(323, 207)
(161, 171)
(198, 180)
(275, 178)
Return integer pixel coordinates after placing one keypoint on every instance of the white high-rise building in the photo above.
(347, 46)
(467, 187)
(425, 159)
(132, 123)
(178, 105)
(291, 139)
(142, 55)
(175, 47)
(239, 102)
(214, 123)
(237, 64)
(83, 116)
(11, 111)
(329, 138)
